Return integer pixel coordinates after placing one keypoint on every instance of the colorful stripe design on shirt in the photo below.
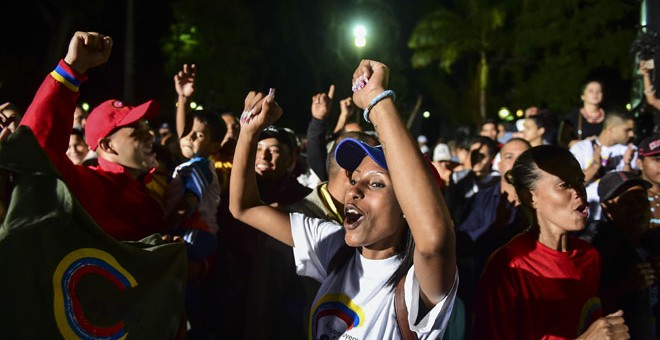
(67, 79)
(196, 175)
(339, 306)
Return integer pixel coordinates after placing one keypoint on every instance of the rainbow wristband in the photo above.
(378, 98)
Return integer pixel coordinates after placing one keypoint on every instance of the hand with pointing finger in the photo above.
(322, 103)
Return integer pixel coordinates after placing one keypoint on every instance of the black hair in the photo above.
(526, 171)
(589, 81)
(216, 125)
(80, 132)
(488, 121)
(616, 115)
(490, 144)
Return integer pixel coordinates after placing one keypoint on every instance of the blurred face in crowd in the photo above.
(650, 166)
(532, 133)
(489, 130)
(77, 149)
(79, 117)
(509, 153)
(274, 159)
(481, 160)
(374, 219)
(233, 128)
(197, 142)
(8, 120)
(623, 132)
(593, 93)
(132, 147)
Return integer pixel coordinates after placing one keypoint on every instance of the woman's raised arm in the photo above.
(415, 188)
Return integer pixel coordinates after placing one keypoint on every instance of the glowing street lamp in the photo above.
(360, 33)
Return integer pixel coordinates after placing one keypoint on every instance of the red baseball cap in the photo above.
(112, 114)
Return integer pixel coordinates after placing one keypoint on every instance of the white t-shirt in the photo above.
(611, 160)
(353, 301)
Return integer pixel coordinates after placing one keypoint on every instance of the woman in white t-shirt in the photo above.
(397, 228)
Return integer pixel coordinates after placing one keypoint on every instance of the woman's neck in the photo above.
(591, 110)
(553, 238)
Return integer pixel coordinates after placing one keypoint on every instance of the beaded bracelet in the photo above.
(650, 91)
(378, 98)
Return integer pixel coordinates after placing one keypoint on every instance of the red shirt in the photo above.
(529, 291)
(121, 205)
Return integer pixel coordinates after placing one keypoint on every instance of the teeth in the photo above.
(352, 211)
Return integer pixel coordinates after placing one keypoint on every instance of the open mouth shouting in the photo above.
(583, 210)
(353, 217)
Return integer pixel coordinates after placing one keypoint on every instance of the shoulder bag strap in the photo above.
(579, 131)
(401, 311)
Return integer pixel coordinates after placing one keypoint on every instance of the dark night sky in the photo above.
(26, 58)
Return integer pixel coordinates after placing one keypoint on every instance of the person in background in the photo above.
(10, 117)
(489, 129)
(79, 117)
(78, 149)
(479, 174)
(628, 280)
(537, 128)
(645, 68)
(503, 135)
(648, 162)
(585, 121)
(444, 163)
(611, 150)
(545, 283)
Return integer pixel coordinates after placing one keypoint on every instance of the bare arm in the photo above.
(346, 111)
(244, 202)
(184, 84)
(649, 91)
(592, 170)
(415, 188)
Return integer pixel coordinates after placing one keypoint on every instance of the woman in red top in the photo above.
(544, 284)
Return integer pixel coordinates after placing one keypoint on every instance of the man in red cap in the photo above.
(114, 192)
(649, 162)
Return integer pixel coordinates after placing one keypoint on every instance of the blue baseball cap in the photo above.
(350, 152)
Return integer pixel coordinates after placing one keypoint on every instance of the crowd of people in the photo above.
(359, 229)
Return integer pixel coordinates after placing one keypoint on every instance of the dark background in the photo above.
(300, 47)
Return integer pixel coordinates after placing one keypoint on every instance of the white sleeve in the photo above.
(433, 325)
(315, 242)
(583, 156)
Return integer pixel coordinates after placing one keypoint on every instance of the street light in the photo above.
(360, 34)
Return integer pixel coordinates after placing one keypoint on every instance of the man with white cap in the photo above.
(114, 193)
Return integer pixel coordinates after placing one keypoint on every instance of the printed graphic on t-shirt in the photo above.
(608, 164)
(333, 315)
